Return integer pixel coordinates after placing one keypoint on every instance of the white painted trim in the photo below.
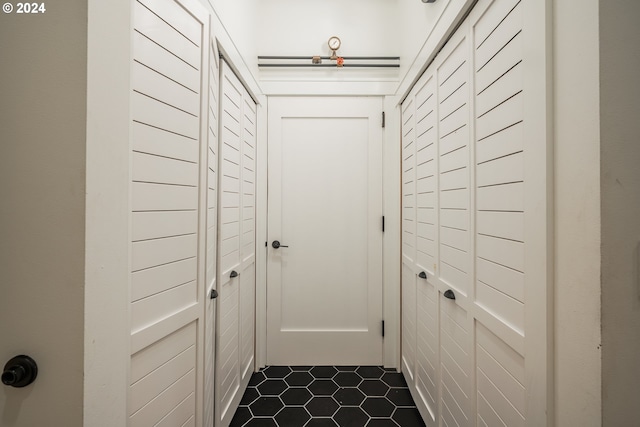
(538, 118)
(107, 235)
(321, 88)
(202, 14)
(391, 200)
(578, 377)
(261, 235)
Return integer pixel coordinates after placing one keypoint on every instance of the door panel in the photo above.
(168, 234)
(248, 240)
(427, 347)
(325, 289)
(236, 252)
(409, 327)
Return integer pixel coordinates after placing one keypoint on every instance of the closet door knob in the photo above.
(233, 274)
(449, 294)
(422, 275)
(214, 294)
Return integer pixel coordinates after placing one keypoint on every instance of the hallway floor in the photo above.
(344, 396)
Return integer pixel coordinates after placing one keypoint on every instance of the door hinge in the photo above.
(383, 328)
(383, 223)
(383, 119)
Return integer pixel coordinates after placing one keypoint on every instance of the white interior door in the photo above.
(324, 285)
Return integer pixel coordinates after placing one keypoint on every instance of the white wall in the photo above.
(577, 213)
(294, 27)
(620, 209)
(235, 24)
(422, 30)
(42, 193)
(409, 29)
(302, 28)
(418, 20)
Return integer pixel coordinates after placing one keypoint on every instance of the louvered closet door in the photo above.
(170, 58)
(476, 124)
(248, 237)
(427, 334)
(453, 96)
(236, 278)
(511, 211)
(408, 239)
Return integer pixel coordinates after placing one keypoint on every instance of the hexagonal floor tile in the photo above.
(408, 417)
(241, 416)
(346, 368)
(299, 379)
(261, 422)
(349, 396)
(373, 372)
(378, 407)
(250, 394)
(296, 396)
(272, 387)
(327, 396)
(394, 379)
(266, 406)
(323, 371)
(322, 406)
(322, 387)
(277, 371)
(400, 397)
(293, 417)
(347, 379)
(351, 417)
(373, 388)
(381, 422)
(256, 378)
(321, 422)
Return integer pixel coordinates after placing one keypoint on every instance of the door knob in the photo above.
(20, 371)
(233, 274)
(276, 244)
(422, 275)
(449, 294)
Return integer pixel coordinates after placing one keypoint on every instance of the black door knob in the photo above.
(20, 371)
(233, 274)
(276, 244)
(422, 275)
(449, 294)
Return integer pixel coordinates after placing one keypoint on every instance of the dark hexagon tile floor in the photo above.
(333, 396)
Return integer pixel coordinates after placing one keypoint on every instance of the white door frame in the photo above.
(390, 243)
